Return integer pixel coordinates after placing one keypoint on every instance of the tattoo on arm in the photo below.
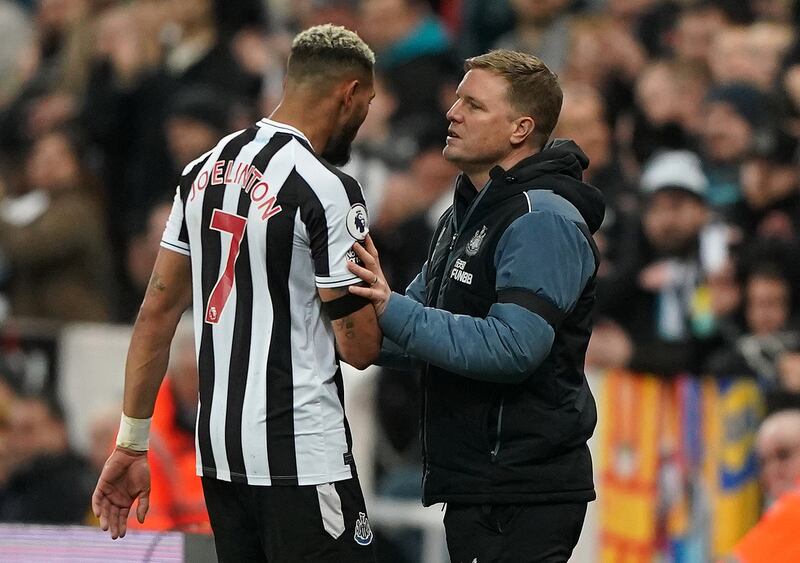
(349, 327)
(156, 284)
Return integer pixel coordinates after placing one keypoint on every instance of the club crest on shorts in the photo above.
(363, 535)
(358, 222)
(474, 243)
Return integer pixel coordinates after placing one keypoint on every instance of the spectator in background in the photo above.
(749, 54)
(734, 114)
(542, 29)
(54, 238)
(233, 16)
(378, 150)
(125, 107)
(50, 97)
(773, 538)
(142, 252)
(696, 28)
(767, 335)
(482, 23)
(176, 492)
(728, 59)
(651, 297)
(414, 55)
(49, 483)
(583, 119)
(197, 56)
(412, 203)
(197, 118)
(604, 53)
(768, 43)
(670, 98)
(770, 186)
(778, 446)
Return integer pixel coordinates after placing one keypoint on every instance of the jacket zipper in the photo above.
(496, 449)
(468, 214)
(436, 303)
(424, 422)
(457, 228)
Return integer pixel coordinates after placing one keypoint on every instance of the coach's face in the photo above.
(353, 111)
(482, 122)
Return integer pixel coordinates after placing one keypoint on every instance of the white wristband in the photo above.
(134, 433)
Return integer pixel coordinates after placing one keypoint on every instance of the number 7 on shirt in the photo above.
(235, 226)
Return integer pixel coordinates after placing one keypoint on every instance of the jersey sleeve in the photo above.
(332, 234)
(176, 236)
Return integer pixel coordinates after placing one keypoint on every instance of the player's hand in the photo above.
(378, 290)
(125, 476)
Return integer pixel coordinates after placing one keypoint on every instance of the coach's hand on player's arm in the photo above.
(355, 325)
(377, 290)
(125, 477)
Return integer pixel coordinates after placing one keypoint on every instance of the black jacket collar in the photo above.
(558, 167)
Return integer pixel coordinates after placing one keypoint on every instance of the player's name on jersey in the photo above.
(242, 174)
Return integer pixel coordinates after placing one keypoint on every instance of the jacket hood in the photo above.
(558, 167)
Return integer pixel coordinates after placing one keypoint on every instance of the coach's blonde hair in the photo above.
(325, 52)
(533, 88)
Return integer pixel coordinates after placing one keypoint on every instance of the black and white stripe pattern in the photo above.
(271, 409)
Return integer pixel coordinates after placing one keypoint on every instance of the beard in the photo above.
(337, 151)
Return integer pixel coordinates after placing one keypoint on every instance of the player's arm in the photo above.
(355, 326)
(126, 474)
(169, 294)
(331, 230)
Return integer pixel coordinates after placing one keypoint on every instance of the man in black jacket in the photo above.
(500, 318)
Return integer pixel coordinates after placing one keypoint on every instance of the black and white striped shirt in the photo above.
(265, 222)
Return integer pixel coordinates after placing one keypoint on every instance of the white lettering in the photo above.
(461, 276)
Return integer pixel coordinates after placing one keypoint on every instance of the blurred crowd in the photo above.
(689, 111)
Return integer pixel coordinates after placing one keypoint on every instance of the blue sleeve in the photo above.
(392, 355)
(544, 255)
(541, 254)
(416, 289)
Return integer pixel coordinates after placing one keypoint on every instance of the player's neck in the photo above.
(312, 121)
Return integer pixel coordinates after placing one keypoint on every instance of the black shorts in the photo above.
(285, 524)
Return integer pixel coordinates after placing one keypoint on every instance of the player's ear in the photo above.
(349, 92)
